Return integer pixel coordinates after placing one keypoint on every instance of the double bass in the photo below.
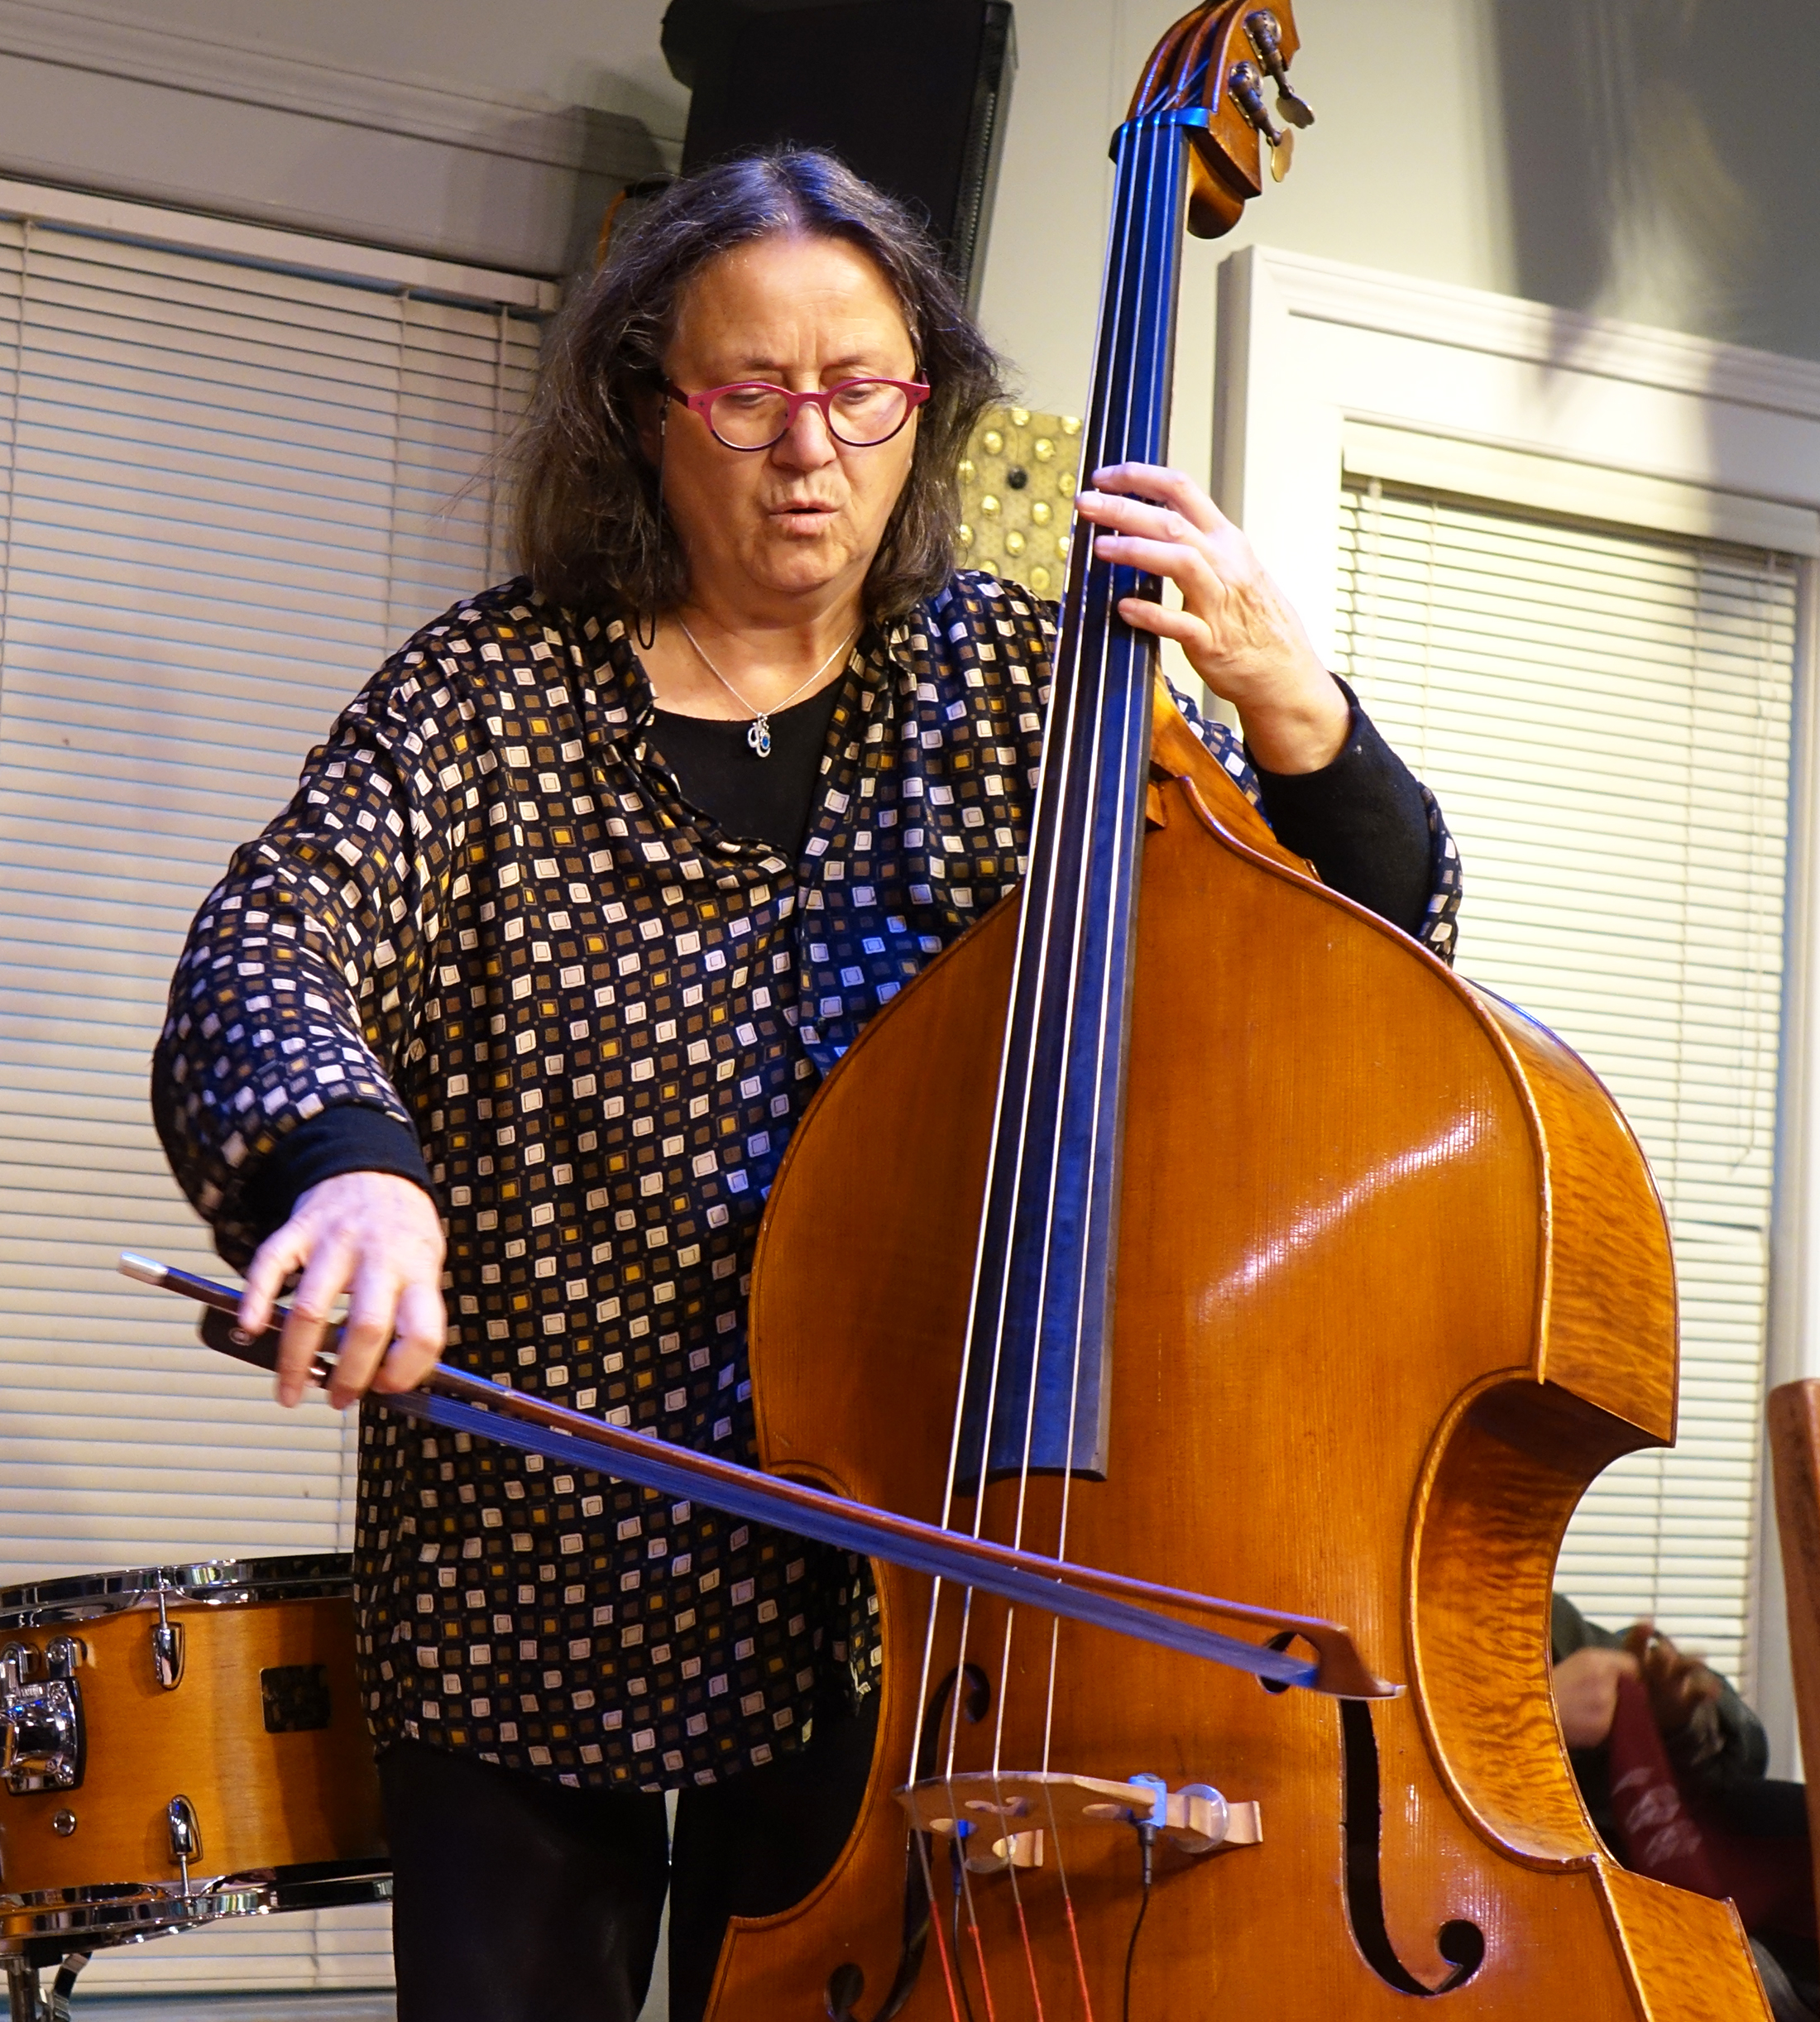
(1187, 1221)
(1185, 1229)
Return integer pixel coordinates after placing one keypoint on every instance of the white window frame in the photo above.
(1321, 367)
(291, 253)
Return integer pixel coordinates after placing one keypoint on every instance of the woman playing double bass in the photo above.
(501, 1026)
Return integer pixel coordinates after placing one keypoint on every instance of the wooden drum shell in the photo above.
(262, 1800)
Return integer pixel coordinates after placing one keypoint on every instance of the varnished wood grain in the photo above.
(1690, 1957)
(1364, 1363)
(261, 1800)
(1607, 1325)
(1795, 1453)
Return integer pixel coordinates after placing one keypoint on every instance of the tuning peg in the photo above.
(1246, 86)
(1267, 38)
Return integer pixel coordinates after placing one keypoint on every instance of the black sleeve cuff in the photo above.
(1360, 821)
(348, 1139)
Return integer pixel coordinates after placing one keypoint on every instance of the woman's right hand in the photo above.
(377, 1238)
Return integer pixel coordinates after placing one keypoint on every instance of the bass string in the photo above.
(1086, 708)
(1163, 168)
(1166, 167)
(1159, 181)
(1033, 884)
(1103, 999)
(1029, 1950)
(1164, 152)
(1091, 708)
(1159, 176)
(1045, 873)
(1159, 184)
(957, 1853)
(1105, 1008)
(1039, 890)
(1042, 886)
(1097, 712)
(921, 1840)
(967, 1596)
(1046, 896)
(1050, 888)
(979, 1949)
(1156, 170)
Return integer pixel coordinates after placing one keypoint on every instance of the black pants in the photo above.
(518, 1900)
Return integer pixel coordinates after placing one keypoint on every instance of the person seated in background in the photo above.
(1674, 1768)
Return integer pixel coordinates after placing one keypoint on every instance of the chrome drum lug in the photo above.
(167, 1649)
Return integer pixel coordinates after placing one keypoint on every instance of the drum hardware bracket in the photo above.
(167, 1649)
(43, 1741)
(27, 2000)
(185, 1835)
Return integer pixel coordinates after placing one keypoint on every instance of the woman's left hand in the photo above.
(1238, 632)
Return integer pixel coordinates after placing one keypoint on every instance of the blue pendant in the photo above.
(759, 735)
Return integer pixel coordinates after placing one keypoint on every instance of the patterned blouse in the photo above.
(489, 914)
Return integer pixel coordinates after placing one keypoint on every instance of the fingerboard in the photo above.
(1036, 1392)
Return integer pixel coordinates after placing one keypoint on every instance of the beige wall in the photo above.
(1651, 159)
(1654, 159)
(1362, 189)
(464, 128)
(598, 53)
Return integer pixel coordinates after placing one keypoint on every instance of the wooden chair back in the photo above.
(1795, 1452)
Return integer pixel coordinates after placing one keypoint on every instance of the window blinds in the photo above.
(1605, 717)
(227, 491)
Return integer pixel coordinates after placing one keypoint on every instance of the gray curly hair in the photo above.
(590, 531)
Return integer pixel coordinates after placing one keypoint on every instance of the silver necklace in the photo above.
(758, 732)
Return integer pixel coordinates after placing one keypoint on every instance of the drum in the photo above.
(181, 1743)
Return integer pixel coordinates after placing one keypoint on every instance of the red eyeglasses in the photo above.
(752, 414)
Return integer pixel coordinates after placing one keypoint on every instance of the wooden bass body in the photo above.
(1393, 1285)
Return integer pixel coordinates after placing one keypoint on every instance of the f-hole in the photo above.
(1461, 1944)
(847, 1983)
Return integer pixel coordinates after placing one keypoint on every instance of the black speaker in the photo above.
(912, 94)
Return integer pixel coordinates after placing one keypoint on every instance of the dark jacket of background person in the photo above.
(1720, 1757)
(1722, 1747)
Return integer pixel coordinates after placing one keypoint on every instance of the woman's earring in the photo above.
(645, 645)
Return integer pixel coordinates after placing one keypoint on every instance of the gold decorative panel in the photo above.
(1017, 496)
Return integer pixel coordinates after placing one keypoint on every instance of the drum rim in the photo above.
(206, 1582)
(121, 1913)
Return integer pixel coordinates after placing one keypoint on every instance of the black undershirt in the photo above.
(751, 799)
(1360, 821)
